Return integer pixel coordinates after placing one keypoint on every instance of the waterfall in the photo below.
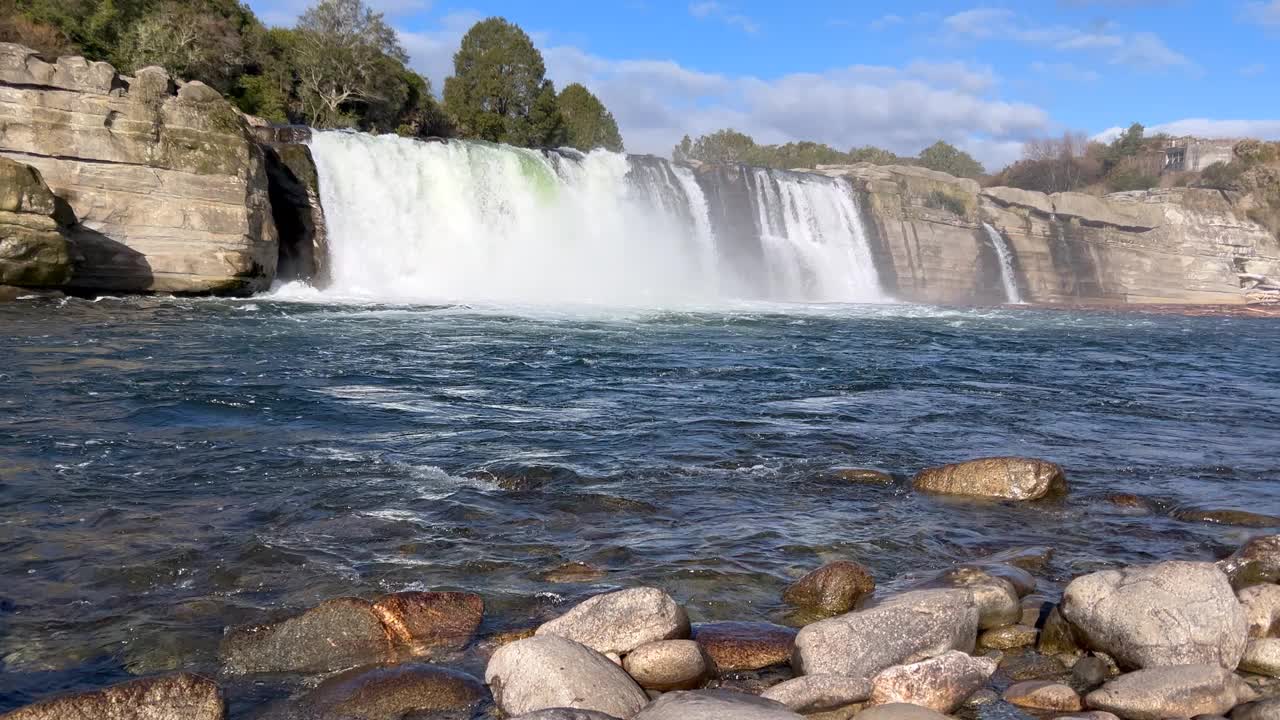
(472, 221)
(1007, 275)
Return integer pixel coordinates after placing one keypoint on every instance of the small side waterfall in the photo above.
(1007, 274)
(464, 221)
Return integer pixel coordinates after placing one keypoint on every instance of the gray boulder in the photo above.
(942, 683)
(181, 696)
(1261, 610)
(622, 621)
(715, 705)
(902, 629)
(900, 711)
(565, 714)
(817, 693)
(1171, 613)
(1262, 656)
(548, 671)
(1261, 710)
(1181, 691)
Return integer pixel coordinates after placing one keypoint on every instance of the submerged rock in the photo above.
(1241, 518)
(573, 572)
(392, 692)
(715, 705)
(1008, 478)
(1257, 561)
(1171, 613)
(1009, 637)
(181, 696)
(833, 588)
(549, 671)
(1042, 695)
(942, 683)
(1180, 691)
(738, 646)
(818, 693)
(861, 476)
(902, 629)
(667, 665)
(622, 621)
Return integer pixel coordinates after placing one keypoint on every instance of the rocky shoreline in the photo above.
(1169, 639)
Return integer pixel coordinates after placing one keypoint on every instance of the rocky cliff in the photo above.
(169, 187)
(34, 226)
(1181, 245)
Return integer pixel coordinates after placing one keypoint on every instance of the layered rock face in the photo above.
(33, 229)
(1180, 245)
(168, 185)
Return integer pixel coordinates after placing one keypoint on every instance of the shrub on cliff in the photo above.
(945, 157)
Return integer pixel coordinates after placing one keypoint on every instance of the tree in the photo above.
(188, 42)
(588, 123)
(947, 158)
(1051, 165)
(497, 78)
(877, 156)
(1128, 144)
(544, 126)
(720, 147)
(340, 59)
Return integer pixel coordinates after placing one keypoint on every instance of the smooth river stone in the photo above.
(393, 691)
(942, 683)
(622, 621)
(1261, 710)
(902, 629)
(1181, 691)
(1042, 695)
(1261, 610)
(833, 588)
(1257, 561)
(565, 714)
(715, 705)
(1008, 478)
(1262, 657)
(181, 696)
(1170, 613)
(667, 665)
(900, 711)
(817, 693)
(548, 671)
(1009, 637)
(424, 622)
(739, 646)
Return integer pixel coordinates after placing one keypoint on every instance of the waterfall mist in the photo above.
(471, 221)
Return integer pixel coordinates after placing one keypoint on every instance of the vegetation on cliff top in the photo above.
(341, 65)
(731, 146)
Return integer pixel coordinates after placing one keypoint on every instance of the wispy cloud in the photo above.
(1144, 51)
(886, 22)
(712, 10)
(1066, 72)
(1266, 13)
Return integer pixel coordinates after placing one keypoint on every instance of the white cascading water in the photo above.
(814, 241)
(1007, 275)
(469, 221)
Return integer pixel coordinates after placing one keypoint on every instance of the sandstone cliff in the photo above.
(34, 226)
(167, 182)
(1181, 245)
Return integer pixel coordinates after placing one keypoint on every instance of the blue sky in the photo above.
(983, 75)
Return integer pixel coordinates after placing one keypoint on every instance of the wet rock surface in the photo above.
(393, 692)
(833, 588)
(736, 646)
(182, 696)
(1003, 478)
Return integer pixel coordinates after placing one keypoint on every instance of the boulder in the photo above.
(740, 646)
(392, 692)
(1261, 710)
(152, 82)
(1058, 637)
(335, 635)
(622, 621)
(565, 714)
(942, 683)
(33, 229)
(1042, 695)
(197, 92)
(549, 671)
(833, 588)
(1088, 715)
(1261, 610)
(900, 711)
(1089, 672)
(818, 693)
(1179, 691)
(902, 629)
(171, 195)
(997, 598)
(861, 476)
(1262, 657)
(427, 622)
(667, 665)
(1257, 561)
(1009, 637)
(1171, 613)
(181, 696)
(1008, 478)
(1241, 518)
(715, 705)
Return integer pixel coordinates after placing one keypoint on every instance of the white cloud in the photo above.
(710, 9)
(1066, 72)
(1266, 14)
(1140, 50)
(431, 52)
(1206, 128)
(886, 22)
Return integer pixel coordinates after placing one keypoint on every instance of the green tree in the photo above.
(945, 157)
(589, 124)
(720, 147)
(877, 156)
(497, 80)
(188, 41)
(342, 57)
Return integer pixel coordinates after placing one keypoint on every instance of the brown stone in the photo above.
(1009, 637)
(1008, 478)
(734, 646)
(573, 572)
(334, 635)
(1241, 518)
(181, 696)
(667, 665)
(1041, 695)
(430, 621)
(862, 476)
(393, 691)
(833, 588)
(1256, 562)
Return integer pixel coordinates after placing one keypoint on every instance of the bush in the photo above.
(1123, 180)
(1221, 175)
(940, 200)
